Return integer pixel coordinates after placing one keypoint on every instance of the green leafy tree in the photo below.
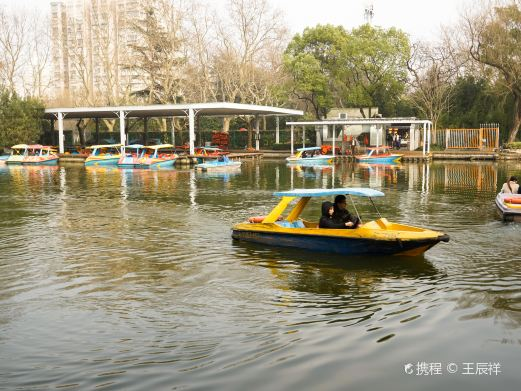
(475, 101)
(494, 41)
(375, 68)
(20, 119)
(314, 60)
(330, 67)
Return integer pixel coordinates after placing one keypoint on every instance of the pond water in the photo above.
(129, 279)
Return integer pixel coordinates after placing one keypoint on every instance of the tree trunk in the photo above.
(226, 124)
(81, 132)
(434, 130)
(250, 133)
(164, 125)
(172, 131)
(362, 112)
(517, 119)
(110, 123)
(81, 125)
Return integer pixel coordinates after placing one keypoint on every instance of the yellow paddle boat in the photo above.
(155, 156)
(18, 154)
(310, 156)
(104, 155)
(378, 237)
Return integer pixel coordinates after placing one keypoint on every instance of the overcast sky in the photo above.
(421, 19)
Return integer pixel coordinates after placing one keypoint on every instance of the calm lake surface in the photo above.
(129, 280)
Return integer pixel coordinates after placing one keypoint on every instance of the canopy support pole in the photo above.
(291, 140)
(257, 133)
(377, 211)
(278, 210)
(60, 132)
(277, 130)
(191, 125)
(172, 131)
(424, 138)
(303, 137)
(334, 139)
(356, 210)
(122, 135)
(429, 131)
(344, 140)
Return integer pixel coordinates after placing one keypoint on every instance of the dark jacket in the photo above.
(344, 216)
(327, 221)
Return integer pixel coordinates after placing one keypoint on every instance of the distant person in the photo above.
(341, 214)
(511, 186)
(327, 220)
(389, 138)
(353, 145)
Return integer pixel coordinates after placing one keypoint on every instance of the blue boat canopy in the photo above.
(309, 149)
(356, 191)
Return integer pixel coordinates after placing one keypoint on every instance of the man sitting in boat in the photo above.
(328, 220)
(341, 213)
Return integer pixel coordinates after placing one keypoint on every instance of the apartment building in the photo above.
(90, 49)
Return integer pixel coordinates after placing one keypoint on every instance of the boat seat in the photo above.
(291, 224)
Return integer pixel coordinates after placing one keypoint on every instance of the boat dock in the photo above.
(408, 156)
(417, 156)
(184, 160)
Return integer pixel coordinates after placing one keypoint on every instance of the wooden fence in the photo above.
(484, 138)
(462, 176)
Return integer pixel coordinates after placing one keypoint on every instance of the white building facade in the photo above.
(90, 49)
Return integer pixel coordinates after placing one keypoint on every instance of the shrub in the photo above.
(20, 119)
(281, 147)
(514, 145)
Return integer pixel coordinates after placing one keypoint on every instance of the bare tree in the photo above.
(13, 41)
(158, 54)
(432, 70)
(247, 64)
(201, 28)
(39, 46)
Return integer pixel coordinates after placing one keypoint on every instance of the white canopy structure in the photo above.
(218, 109)
(377, 122)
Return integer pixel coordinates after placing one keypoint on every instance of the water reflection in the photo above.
(116, 271)
(317, 272)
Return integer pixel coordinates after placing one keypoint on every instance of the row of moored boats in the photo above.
(316, 156)
(129, 156)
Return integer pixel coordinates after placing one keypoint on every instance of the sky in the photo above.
(421, 19)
